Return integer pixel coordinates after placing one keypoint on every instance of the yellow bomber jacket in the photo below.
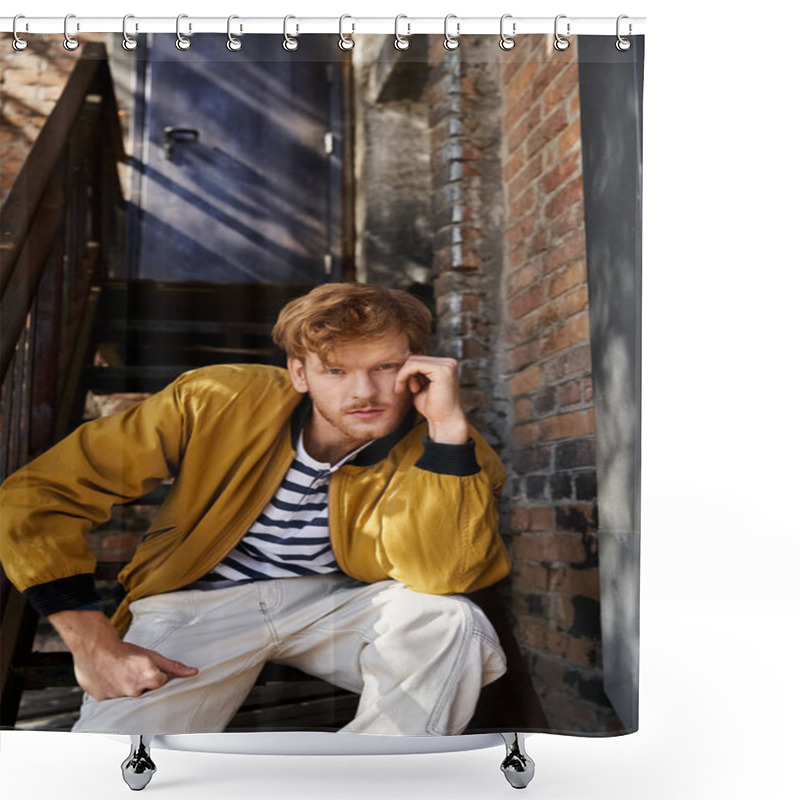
(405, 508)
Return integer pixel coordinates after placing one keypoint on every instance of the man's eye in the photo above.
(387, 366)
(335, 371)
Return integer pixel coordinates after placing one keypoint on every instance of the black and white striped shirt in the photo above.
(290, 538)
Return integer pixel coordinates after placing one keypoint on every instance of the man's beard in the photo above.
(360, 433)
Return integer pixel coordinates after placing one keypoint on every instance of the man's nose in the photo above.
(363, 386)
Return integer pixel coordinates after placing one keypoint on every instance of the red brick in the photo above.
(574, 331)
(562, 612)
(521, 230)
(566, 279)
(542, 518)
(517, 255)
(524, 434)
(557, 642)
(513, 166)
(527, 123)
(570, 393)
(568, 195)
(523, 409)
(528, 300)
(532, 633)
(570, 220)
(565, 426)
(524, 354)
(523, 204)
(529, 380)
(546, 75)
(513, 115)
(472, 348)
(558, 90)
(510, 69)
(565, 169)
(546, 131)
(583, 651)
(532, 577)
(570, 137)
(521, 84)
(530, 172)
(569, 581)
(575, 302)
(522, 278)
(572, 247)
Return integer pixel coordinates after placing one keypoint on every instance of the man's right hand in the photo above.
(107, 667)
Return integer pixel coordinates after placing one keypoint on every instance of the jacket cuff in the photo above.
(63, 594)
(449, 459)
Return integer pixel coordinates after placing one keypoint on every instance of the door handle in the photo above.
(172, 136)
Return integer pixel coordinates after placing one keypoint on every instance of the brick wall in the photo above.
(555, 588)
(465, 111)
(512, 300)
(31, 81)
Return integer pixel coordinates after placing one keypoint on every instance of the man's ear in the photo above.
(297, 372)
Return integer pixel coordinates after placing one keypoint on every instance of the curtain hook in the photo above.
(622, 44)
(560, 43)
(70, 43)
(233, 44)
(346, 42)
(128, 42)
(401, 42)
(19, 44)
(182, 43)
(451, 42)
(288, 42)
(506, 42)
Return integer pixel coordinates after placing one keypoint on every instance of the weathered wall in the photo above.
(31, 82)
(555, 586)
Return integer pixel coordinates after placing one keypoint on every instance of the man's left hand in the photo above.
(433, 383)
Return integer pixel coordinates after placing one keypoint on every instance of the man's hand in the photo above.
(433, 383)
(106, 667)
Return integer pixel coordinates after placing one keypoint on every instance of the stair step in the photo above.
(191, 326)
(237, 302)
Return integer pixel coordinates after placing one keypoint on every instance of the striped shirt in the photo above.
(290, 538)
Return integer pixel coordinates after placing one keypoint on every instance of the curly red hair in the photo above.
(333, 314)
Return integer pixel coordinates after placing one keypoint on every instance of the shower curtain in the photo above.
(161, 206)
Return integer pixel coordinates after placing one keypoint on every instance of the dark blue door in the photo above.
(238, 174)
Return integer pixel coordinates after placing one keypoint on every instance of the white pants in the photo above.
(418, 660)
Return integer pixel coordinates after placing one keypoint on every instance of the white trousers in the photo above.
(417, 660)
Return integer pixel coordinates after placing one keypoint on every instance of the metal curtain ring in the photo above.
(288, 42)
(182, 43)
(401, 42)
(622, 44)
(70, 43)
(506, 42)
(233, 44)
(346, 42)
(451, 42)
(19, 44)
(559, 42)
(128, 42)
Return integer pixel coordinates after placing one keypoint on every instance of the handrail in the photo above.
(60, 226)
(54, 227)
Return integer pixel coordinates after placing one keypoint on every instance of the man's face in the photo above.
(353, 390)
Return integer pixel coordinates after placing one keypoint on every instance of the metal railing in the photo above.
(61, 224)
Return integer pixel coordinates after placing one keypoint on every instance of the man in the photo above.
(320, 516)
